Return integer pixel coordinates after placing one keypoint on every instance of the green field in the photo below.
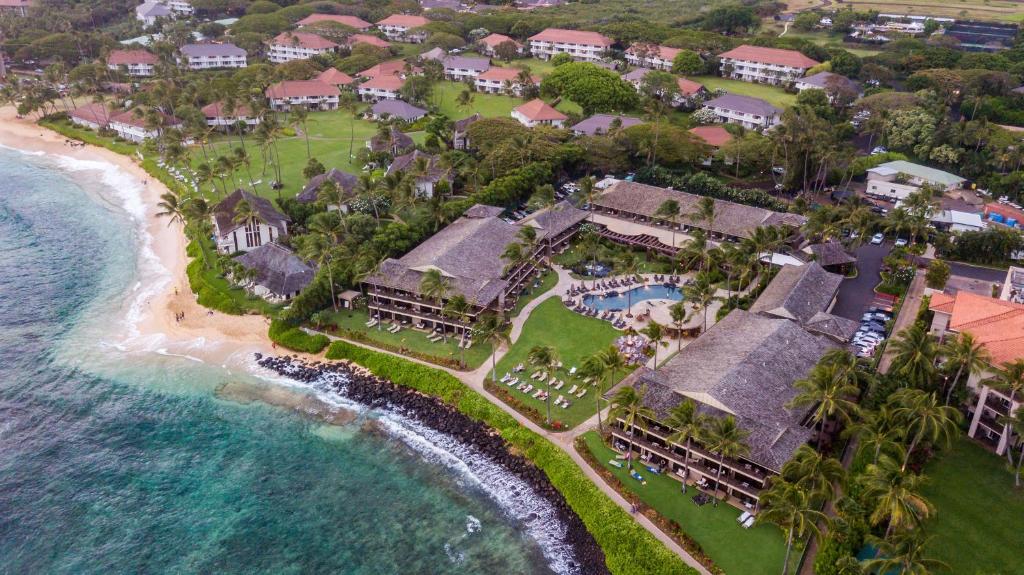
(575, 338)
(547, 282)
(756, 551)
(487, 105)
(978, 513)
(773, 95)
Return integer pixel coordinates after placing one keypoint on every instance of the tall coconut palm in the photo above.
(814, 473)
(830, 393)
(608, 362)
(687, 425)
(700, 293)
(904, 553)
(669, 210)
(320, 249)
(1016, 425)
(704, 212)
(791, 508)
(434, 285)
(246, 212)
(297, 117)
(545, 358)
(628, 267)
(677, 312)
(915, 352)
(726, 439)
(656, 334)
(628, 405)
(458, 309)
(923, 418)
(876, 433)
(967, 355)
(172, 208)
(493, 329)
(896, 495)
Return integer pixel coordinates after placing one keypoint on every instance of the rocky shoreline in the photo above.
(371, 391)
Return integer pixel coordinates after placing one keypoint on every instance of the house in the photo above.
(502, 81)
(581, 45)
(218, 116)
(308, 94)
(998, 326)
(403, 28)
(149, 11)
(489, 43)
(394, 142)
(179, 7)
(435, 53)
(233, 235)
(747, 111)
(16, 7)
(831, 84)
(288, 46)
(689, 93)
(431, 176)
(347, 184)
(279, 274)
(832, 256)
(396, 109)
(806, 294)
(898, 179)
(461, 68)
(603, 124)
(383, 87)
(94, 116)
(537, 112)
(714, 137)
(336, 78)
(138, 63)
(460, 135)
(390, 68)
(353, 22)
(210, 56)
(367, 39)
(958, 221)
(453, 5)
(764, 65)
(133, 127)
(652, 56)
(636, 77)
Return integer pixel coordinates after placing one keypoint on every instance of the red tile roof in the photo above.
(492, 40)
(776, 56)
(367, 39)
(125, 57)
(131, 119)
(350, 21)
(688, 87)
(996, 324)
(93, 112)
(389, 68)
(715, 136)
(216, 110)
(404, 21)
(384, 82)
(498, 74)
(303, 39)
(573, 36)
(1006, 211)
(300, 89)
(334, 77)
(663, 52)
(538, 110)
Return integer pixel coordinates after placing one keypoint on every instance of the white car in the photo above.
(900, 242)
(877, 239)
(879, 150)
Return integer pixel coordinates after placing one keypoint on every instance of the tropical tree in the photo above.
(434, 285)
(687, 425)
(628, 405)
(830, 393)
(811, 471)
(704, 212)
(246, 212)
(172, 208)
(967, 356)
(1015, 424)
(669, 210)
(903, 552)
(726, 439)
(790, 507)
(700, 293)
(493, 329)
(458, 309)
(896, 496)
(876, 432)
(678, 313)
(320, 249)
(608, 362)
(545, 357)
(915, 352)
(628, 266)
(1009, 379)
(923, 418)
(656, 334)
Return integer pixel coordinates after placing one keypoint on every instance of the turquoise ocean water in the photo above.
(118, 457)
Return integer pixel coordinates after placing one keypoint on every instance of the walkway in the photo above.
(908, 313)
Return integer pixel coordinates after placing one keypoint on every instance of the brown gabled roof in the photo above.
(663, 52)
(688, 87)
(125, 57)
(389, 68)
(216, 110)
(497, 74)
(404, 20)
(334, 77)
(224, 212)
(367, 39)
(538, 110)
(350, 21)
(798, 292)
(300, 89)
(831, 253)
(94, 113)
(776, 56)
(303, 39)
(492, 40)
(715, 136)
(384, 82)
(277, 268)
(575, 36)
(131, 119)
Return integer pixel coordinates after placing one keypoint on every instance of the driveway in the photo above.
(857, 294)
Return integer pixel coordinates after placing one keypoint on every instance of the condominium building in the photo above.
(134, 127)
(94, 116)
(218, 116)
(462, 68)
(581, 45)
(502, 81)
(353, 22)
(537, 112)
(491, 41)
(404, 28)
(651, 56)
(383, 87)
(138, 63)
(212, 56)
(764, 65)
(288, 46)
(308, 94)
(747, 111)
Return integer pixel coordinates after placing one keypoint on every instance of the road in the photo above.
(857, 293)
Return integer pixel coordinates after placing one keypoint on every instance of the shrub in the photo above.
(286, 335)
(628, 548)
(207, 295)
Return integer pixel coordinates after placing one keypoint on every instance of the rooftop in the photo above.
(217, 110)
(555, 220)
(389, 68)
(492, 40)
(277, 268)
(572, 36)
(602, 123)
(538, 110)
(499, 74)
(93, 112)
(404, 21)
(467, 63)
(211, 50)
(224, 211)
(304, 40)
(745, 104)
(996, 324)
(388, 82)
(125, 57)
(334, 77)
(825, 80)
(831, 253)
(394, 139)
(715, 136)
(663, 52)
(776, 56)
(300, 89)
(930, 175)
(798, 293)
(398, 109)
(367, 39)
(688, 87)
(346, 183)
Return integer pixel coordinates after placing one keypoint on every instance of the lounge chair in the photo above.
(506, 377)
(749, 523)
(529, 388)
(560, 384)
(581, 393)
(566, 404)
(743, 517)
(537, 395)
(573, 389)
(559, 399)
(518, 368)
(552, 380)
(513, 381)
(535, 375)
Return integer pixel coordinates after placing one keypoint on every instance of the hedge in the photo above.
(629, 549)
(207, 295)
(288, 336)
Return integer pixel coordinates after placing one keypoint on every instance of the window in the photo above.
(252, 234)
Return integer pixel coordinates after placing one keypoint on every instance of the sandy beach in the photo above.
(231, 333)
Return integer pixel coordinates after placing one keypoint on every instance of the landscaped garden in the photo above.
(487, 105)
(534, 291)
(754, 551)
(771, 94)
(977, 511)
(574, 338)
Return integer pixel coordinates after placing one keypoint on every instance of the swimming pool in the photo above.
(619, 302)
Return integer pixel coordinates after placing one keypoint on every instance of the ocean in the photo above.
(125, 453)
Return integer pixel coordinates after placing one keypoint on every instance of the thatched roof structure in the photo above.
(224, 212)
(346, 183)
(277, 269)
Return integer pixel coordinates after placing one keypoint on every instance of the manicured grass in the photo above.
(547, 282)
(410, 339)
(755, 551)
(574, 338)
(771, 94)
(977, 523)
(487, 105)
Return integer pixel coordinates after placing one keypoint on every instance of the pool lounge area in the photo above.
(615, 300)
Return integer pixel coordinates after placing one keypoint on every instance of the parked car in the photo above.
(879, 150)
(900, 242)
(877, 239)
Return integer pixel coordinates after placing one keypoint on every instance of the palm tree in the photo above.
(458, 309)
(669, 210)
(826, 389)
(876, 432)
(494, 330)
(320, 249)
(691, 253)
(904, 553)
(628, 267)
(171, 207)
(705, 212)
(628, 405)
(297, 116)
(790, 507)
(609, 361)
(1015, 423)
(349, 103)
(896, 496)
(434, 285)
(545, 357)
(915, 353)
(246, 212)
(726, 439)
(700, 293)
(967, 355)
(1009, 379)
(588, 191)
(688, 425)
(656, 334)
(813, 472)
(678, 313)
(924, 418)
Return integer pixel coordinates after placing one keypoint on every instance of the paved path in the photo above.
(908, 313)
(857, 293)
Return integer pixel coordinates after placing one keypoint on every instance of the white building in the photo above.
(899, 179)
(501, 80)
(462, 68)
(211, 56)
(957, 221)
(132, 127)
(308, 94)
(764, 65)
(402, 28)
(148, 12)
(652, 56)
(537, 112)
(288, 46)
(489, 43)
(581, 45)
(15, 7)
(92, 116)
(234, 236)
(383, 87)
(749, 112)
(217, 116)
(830, 83)
(139, 63)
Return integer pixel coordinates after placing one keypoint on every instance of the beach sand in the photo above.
(231, 334)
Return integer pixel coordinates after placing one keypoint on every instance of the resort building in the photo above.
(308, 94)
(830, 83)
(218, 116)
(393, 142)
(367, 39)
(764, 65)
(747, 111)
(336, 78)
(279, 274)
(489, 43)
(462, 68)
(396, 109)
(502, 81)
(997, 324)
(353, 22)
(16, 7)
(404, 28)
(150, 11)
(460, 135)
(714, 137)
(383, 87)
(288, 46)
(957, 221)
(898, 179)
(94, 116)
(603, 124)
(427, 181)
(581, 45)
(134, 127)
(137, 63)
(399, 68)
(690, 93)
(234, 236)
(467, 253)
(347, 184)
(651, 56)
(211, 56)
(537, 112)
(832, 256)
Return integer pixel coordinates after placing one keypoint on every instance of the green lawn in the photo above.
(575, 338)
(773, 95)
(547, 282)
(410, 339)
(755, 551)
(978, 513)
(487, 105)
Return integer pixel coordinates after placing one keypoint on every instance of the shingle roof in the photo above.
(824, 79)
(663, 52)
(764, 55)
(216, 110)
(303, 39)
(435, 53)
(838, 328)
(350, 21)
(404, 162)
(574, 36)
(466, 63)
(555, 220)
(346, 183)
(996, 324)
(224, 212)
(398, 109)
(601, 123)
(300, 89)
(335, 77)
(798, 292)
(94, 112)
(492, 40)
(404, 20)
(538, 110)
(636, 74)
(277, 268)
(389, 68)
(125, 57)
(367, 39)
(745, 104)
(716, 136)
(201, 50)
(830, 253)
(394, 139)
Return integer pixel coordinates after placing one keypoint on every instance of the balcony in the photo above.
(997, 404)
